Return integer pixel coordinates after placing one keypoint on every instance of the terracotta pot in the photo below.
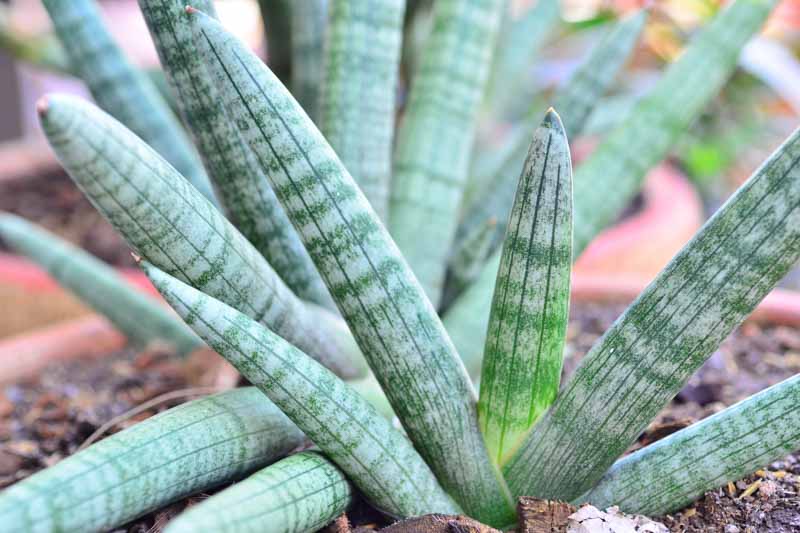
(37, 300)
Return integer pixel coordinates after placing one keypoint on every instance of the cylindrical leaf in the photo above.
(190, 448)
(394, 323)
(299, 494)
(171, 225)
(528, 323)
(120, 88)
(377, 457)
(242, 187)
(138, 316)
(666, 334)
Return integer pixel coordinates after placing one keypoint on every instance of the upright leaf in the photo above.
(597, 72)
(170, 224)
(523, 32)
(308, 23)
(304, 492)
(243, 188)
(666, 334)
(121, 89)
(377, 457)
(528, 322)
(395, 325)
(605, 183)
(612, 175)
(575, 101)
(188, 449)
(138, 316)
(360, 88)
(675, 471)
(436, 135)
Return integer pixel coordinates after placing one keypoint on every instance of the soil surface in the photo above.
(55, 203)
(46, 419)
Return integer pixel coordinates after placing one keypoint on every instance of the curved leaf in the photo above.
(299, 494)
(605, 183)
(360, 88)
(120, 88)
(377, 457)
(678, 469)
(394, 323)
(650, 352)
(613, 174)
(528, 322)
(170, 224)
(241, 185)
(190, 448)
(436, 135)
(138, 316)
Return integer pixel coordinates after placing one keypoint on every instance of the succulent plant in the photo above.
(296, 279)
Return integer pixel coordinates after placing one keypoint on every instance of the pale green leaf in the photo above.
(496, 179)
(242, 187)
(300, 494)
(436, 135)
(120, 88)
(613, 174)
(188, 449)
(394, 323)
(141, 318)
(528, 322)
(170, 224)
(680, 468)
(362, 57)
(374, 455)
(667, 333)
(524, 29)
(605, 183)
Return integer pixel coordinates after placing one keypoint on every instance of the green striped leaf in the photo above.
(300, 494)
(190, 448)
(308, 19)
(667, 333)
(436, 135)
(523, 32)
(139, 317)
(605, 183)
(675, 471)
(358, 102)
(597, 72)
(374, 455)
(242, 187)
(613, 174)
(395, 325)
(120, 88)
(171, 225)
(528, 322)
(575, 102)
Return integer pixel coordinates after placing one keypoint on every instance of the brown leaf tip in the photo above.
(42, 105)
(190, 10)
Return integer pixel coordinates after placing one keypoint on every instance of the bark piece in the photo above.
(543, 516)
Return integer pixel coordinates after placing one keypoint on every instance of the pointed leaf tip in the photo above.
(552, 120)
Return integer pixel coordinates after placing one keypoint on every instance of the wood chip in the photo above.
(436, 523)
(543, 516)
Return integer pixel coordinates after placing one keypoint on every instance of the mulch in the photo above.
(48, 418)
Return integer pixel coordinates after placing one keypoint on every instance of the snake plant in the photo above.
(327, 256)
